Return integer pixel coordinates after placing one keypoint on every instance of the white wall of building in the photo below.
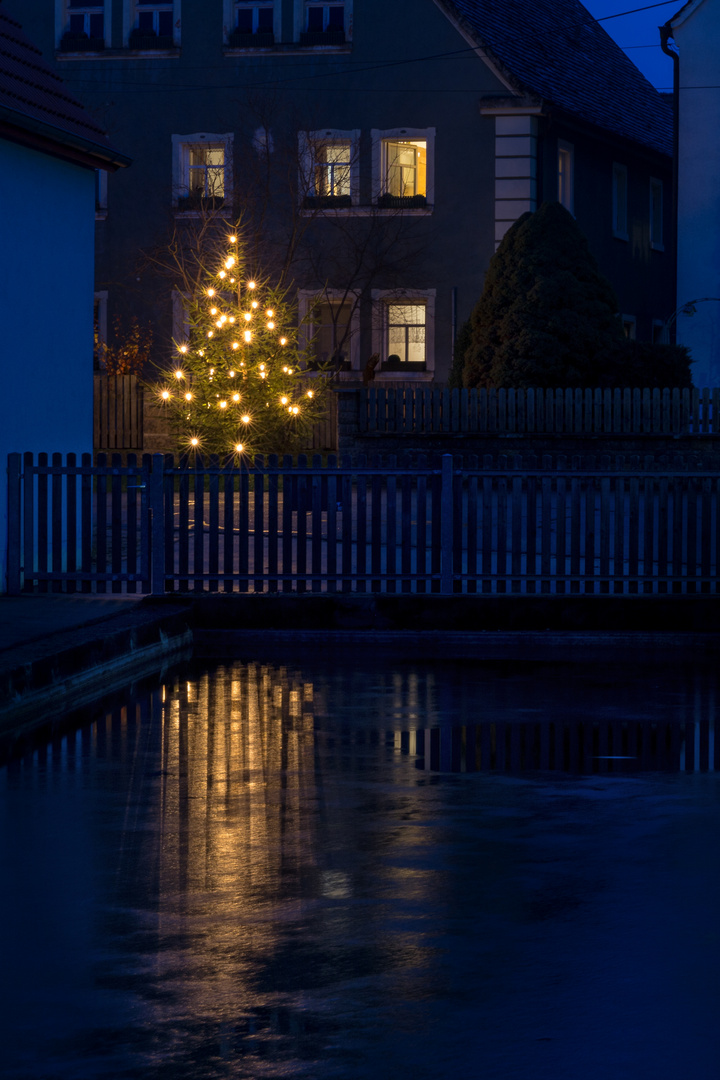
(46, 301)
(697, 35)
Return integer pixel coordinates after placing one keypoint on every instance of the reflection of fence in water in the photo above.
(583, 747)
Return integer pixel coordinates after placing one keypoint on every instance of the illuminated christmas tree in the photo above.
(238, 387)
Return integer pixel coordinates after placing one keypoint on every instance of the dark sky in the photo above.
(638, 34)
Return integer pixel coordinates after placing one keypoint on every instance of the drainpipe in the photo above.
(666, 35)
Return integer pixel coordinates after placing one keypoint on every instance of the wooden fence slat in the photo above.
(288, 500)
(272, 522)
(347, 523)
(421, 567)
(131, 503)
(258, 523)
(361, 526)
(391, 522)
(213, 563)
(183, 557)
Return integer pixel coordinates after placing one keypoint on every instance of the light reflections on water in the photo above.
(261, 871)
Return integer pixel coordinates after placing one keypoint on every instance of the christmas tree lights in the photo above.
(237, 385)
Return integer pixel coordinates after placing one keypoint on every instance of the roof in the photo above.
(34, 100)
(558, 53)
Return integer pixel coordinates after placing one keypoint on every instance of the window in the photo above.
(254, 24)
(565, 175)
(331, 325)
(404, 331)
(324, 24)
(629, 325)
(656, 215)
(100, 306)
(403, 165)
(151, 24)
(330, 329)
(658, 326)
(619, 202)
(101, 185)
(201, 170)
(329, 172)
(84, 26)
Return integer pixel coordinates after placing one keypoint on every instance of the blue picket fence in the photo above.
(495, 526)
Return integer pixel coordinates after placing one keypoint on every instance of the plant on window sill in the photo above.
(327, 202)
(144, 40)
(401, 202)
(81, 43)
(259, 40)
(322, 37)
(394, 363)
(200, 202)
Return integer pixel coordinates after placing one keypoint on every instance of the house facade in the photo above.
(695, 30)
(50, 155)
(376, 152)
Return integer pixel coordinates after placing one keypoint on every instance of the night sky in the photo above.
(638, 34)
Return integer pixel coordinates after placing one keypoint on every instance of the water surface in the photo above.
(369, 870)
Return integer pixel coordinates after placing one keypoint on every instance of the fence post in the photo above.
(446, 525)
(14, 537)
(156, 511)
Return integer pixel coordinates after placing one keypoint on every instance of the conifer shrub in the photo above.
(547, 317)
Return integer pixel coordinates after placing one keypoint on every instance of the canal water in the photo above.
(368, 869)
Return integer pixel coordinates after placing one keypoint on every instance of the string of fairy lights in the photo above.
(236, 380)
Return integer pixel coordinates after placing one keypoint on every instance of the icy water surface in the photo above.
(369, 871)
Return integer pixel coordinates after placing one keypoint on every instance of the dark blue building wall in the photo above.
(401, 71)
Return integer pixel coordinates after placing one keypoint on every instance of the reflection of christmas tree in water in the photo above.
(239, 386)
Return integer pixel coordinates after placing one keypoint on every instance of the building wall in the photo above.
(143, 101)
(642, 275)
(46, 292)
(698, 40)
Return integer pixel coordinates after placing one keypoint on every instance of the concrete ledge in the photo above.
(469, 614)
(68, 670)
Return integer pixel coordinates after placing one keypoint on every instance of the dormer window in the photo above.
(254, 24)
(153, 25)
(85, 27)
(324, 24)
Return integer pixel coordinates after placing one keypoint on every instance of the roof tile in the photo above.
(558, 52)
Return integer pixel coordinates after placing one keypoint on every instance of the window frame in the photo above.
(619, 171)
(130, 13)
(382, 299)
(230, 22)
(181, 145)
(100, 309)
(62, 20)
(566, 150)
(308, 298)
(101, 194)
(306, 142)
(378, 139)
(629, 325)
(656, 185)
(300, 22)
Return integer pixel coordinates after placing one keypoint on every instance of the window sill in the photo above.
(621, 236)
(119, 54)
(368, 210)
(191, 215)
(287, 48)
(657, 247)
(101, 214)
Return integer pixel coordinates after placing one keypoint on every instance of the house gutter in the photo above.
(26, 129)
(666, 35)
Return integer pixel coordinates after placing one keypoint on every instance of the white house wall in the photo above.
(698, 40)
(46, 294)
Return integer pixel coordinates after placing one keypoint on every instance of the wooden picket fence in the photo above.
(418, 409)
(120, 421)
(494, 526)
